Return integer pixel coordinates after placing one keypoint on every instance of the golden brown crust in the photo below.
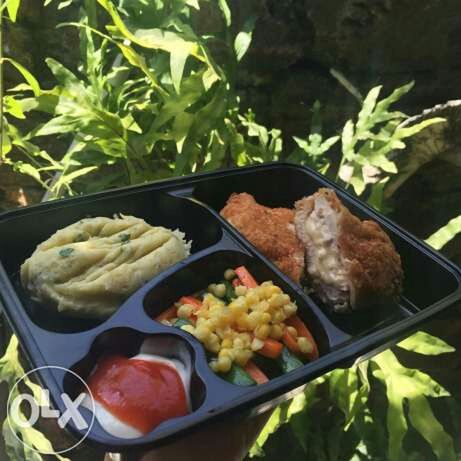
(374, 266)
(270, 230)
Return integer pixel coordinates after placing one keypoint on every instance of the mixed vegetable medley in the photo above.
(248, 329)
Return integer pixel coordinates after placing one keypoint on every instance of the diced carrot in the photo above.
(271, 348)
(303, 331)
(255, 372)
(191, 300)
(290, 342)
(167, 314)
(245, 277)
(236, 282)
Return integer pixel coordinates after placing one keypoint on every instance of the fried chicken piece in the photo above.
(350, 263)
(270, 230)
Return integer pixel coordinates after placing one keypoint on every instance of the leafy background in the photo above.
(155, 95)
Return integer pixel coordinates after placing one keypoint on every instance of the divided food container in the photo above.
(192, 204)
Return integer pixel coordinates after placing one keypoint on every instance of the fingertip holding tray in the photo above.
(192, 204)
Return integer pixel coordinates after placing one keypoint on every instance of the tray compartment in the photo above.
(197, 275)
(426, 280)
(279, 186)
(127, 342)
(22, 234)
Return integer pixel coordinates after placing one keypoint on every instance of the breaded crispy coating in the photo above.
(350, 263)
(270, 230)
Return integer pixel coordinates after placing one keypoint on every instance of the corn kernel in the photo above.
(254, 319)
(274, 290)
(219, 323)
(276, 331)
(226, 353)
(249, 354)
(226, 343)
(252, 297)
(201, 314)
(290, 309)
(241, 357)
(213, 364)
(293, 332)
(221, 332)
(189, 328)
(242, 321)
(213, 346)
(211, 323)
(262, 332)
(220, 290)
(262, 306)
(213, 301)
(286, 298)
(215, 311)
(267, 293)
(202, 333)
(229, 274)
(185, 311)
(224, 364)
(238, 306)
(260, 290)
(209, 297)
(257, 344)
(246, 338)
(304, 345)
(278, 300)
(278, 316)
(200, 322)
(238, 343)
(267, 283)
(226, 316)
(213, 337)
(240, 290)
(266, 317)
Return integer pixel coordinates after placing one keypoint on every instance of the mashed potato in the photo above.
(89, 268)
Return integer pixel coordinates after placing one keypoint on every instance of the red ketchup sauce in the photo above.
(139, 393)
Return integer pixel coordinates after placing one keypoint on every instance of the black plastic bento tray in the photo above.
(192, 204)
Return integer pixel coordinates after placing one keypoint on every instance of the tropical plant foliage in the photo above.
(313, 151)
(149, 101)
(367, 143)
(338, 416)
(12, 8)
(446, 233)
(11, 371)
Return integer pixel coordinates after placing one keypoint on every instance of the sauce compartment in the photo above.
(22, 232)
(127, 342)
